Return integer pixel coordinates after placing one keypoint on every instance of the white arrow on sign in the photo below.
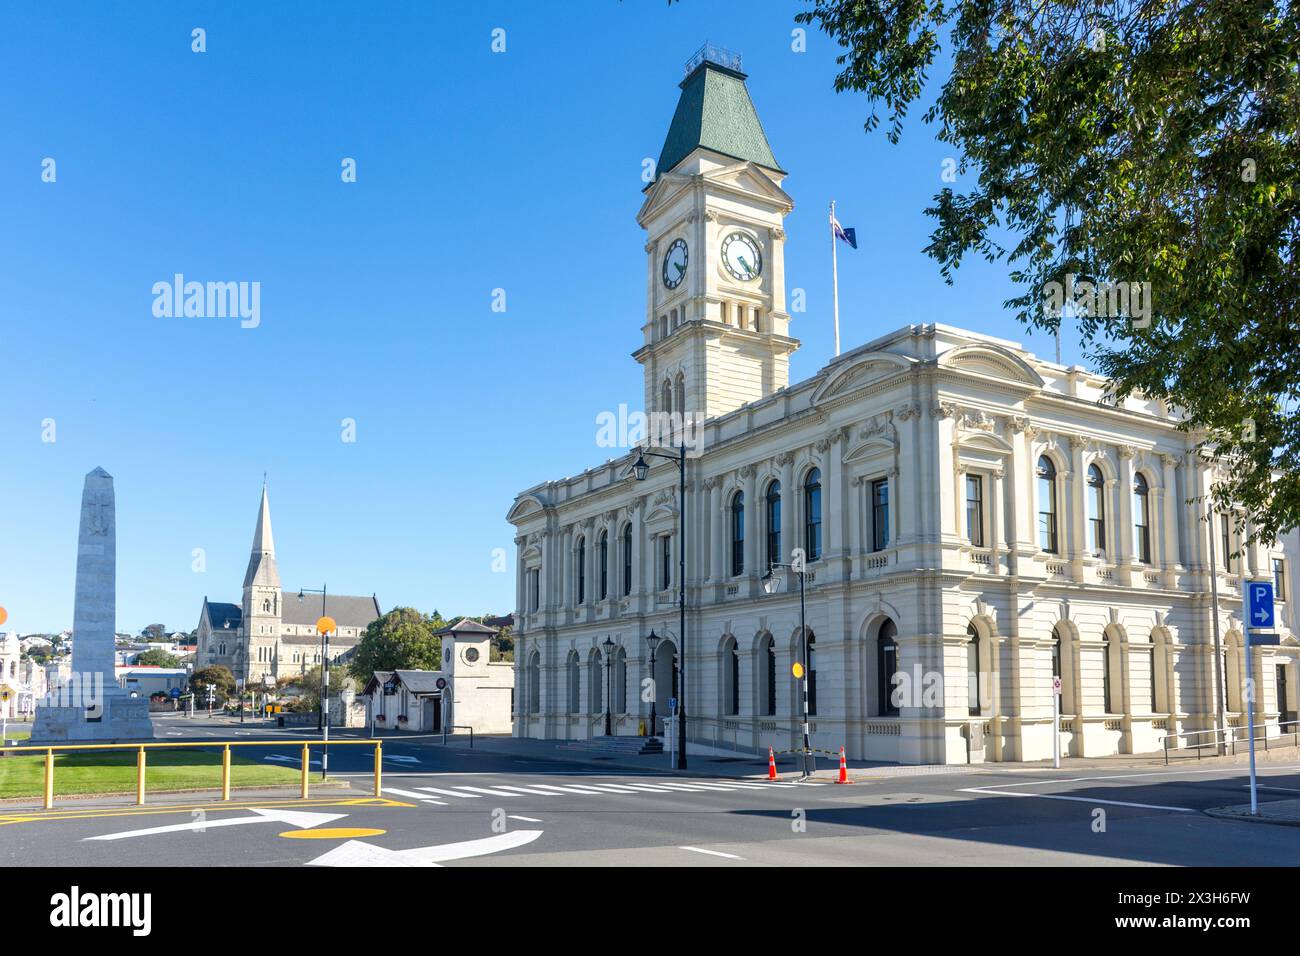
(359, 853)
(1261, 614)
(297, 818)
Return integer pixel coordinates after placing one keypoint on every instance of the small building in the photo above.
(470, 690)
(145, 681)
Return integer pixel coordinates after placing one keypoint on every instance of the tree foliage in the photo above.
(215, 675)
(1148, 141)
(157, 658)
(401, 639)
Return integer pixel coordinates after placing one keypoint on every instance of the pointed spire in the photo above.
(261, 563)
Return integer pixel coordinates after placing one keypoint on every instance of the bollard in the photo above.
(306, 765)
(225, 773)
(139, 778)
(49, 779)
(379, 769)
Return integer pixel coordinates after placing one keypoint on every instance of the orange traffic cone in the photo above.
(771, 764)
(844, 769)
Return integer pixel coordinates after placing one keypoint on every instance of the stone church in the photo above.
(269, 634)
(978, 522)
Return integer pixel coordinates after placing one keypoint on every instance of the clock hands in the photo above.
(745, 265)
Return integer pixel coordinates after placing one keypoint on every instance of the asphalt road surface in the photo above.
(456, 807)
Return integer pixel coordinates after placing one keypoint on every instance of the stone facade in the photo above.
(975, 518)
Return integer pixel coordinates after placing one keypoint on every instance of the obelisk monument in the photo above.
(91, 706)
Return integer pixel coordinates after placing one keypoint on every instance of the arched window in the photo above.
(1047, 538)
(602, 555)
(886, 668)
(679, 396)
(1141, 519)
(812, 510)
(812, 674)
(574, 681)
(620, 680)
(595, 682)
(533, 680)
(730, 676)
(627, 558)
(766, 670)
(580, 571)
(738, 533)
(1096, 511)
(774, 523)
(266, 607)
(973, 671)
(665, 562)
(1107, 685)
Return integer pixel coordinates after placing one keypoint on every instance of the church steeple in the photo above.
(262, 569)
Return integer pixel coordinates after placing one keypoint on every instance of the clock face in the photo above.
(740, 257)
(675, 263)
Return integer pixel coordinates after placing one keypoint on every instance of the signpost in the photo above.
(672, 735)
(1259, 614)
(1056, 721)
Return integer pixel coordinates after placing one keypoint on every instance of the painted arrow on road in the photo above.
(359, 853)
(297, 818)
(401, 759)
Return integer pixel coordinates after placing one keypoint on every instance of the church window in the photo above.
(266, 607)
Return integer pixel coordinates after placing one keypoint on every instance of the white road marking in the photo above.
(1091, 800)
(611, 788)
(588, 791)
(359, 853)
(696, 849)
(490, 793)
(451, 793)
(646, 786)
(540, 793)
(297, 818)
(412, 795)
(1262, 787)
(685, 786)
(514, 816)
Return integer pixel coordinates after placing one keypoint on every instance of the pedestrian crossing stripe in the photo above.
(438, 795)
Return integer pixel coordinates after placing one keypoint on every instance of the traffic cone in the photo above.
(771, 764)
(844, 769)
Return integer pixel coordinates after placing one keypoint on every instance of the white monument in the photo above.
(90, 705)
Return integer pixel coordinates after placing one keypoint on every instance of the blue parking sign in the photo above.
(1259, 601)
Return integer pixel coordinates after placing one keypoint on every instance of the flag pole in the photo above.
(835, 280)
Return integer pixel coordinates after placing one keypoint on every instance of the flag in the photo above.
(848, 235)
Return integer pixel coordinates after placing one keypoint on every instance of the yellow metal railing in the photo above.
(141, 760)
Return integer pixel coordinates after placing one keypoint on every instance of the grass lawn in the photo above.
(17, 733)
(113, 771)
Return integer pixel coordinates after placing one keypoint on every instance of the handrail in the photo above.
(459, 727)
(1232, 739)
(140, 748)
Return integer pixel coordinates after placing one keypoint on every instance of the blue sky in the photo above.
(475, 171)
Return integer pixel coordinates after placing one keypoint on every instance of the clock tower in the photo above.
(716, 334)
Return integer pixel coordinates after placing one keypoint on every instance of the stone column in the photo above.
(1124, 527)
(834, 513)
(997, 531)
(748, 475)
(565, 590)
(1169, 517)
(1077, 505)
(789, 506)
(718, 568)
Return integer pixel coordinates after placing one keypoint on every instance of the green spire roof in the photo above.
(715, 112)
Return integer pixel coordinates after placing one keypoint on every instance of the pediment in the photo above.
(991, 361)
(526, 507)
(749, 178)
(983, 441)
(864, 371)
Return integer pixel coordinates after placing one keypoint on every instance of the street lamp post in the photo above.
(641, 469)
(653, 641)
(771, 581)
(609, 670)
(322, 719)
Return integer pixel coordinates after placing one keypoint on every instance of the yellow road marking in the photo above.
(39, 816)
(332, 833)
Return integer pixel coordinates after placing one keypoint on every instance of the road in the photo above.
(456, 807)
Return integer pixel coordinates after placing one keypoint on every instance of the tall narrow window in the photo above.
(731, 677)
(574, 681)
(812, 509)
(812, 674)
(1108, 700)
(1047, 505)
(972, 671)
(738, 533)
(975, 510)
(1225, 529)
(580, 558)
(595, 683)
(533, 680)
(767, 650)
(1151, 670)
(886, 668)
(666, 398)
(534, 588)
(665, 563)
(1141, 519)
(774, 523)
(627, 559)
(1279, 579)
(880, 514)
(602, 555)
(1096, 511)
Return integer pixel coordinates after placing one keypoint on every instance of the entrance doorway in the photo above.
(433, 714)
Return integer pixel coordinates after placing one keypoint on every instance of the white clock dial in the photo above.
(675, 263)
(741, 258)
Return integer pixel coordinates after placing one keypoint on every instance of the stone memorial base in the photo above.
(121, 717)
